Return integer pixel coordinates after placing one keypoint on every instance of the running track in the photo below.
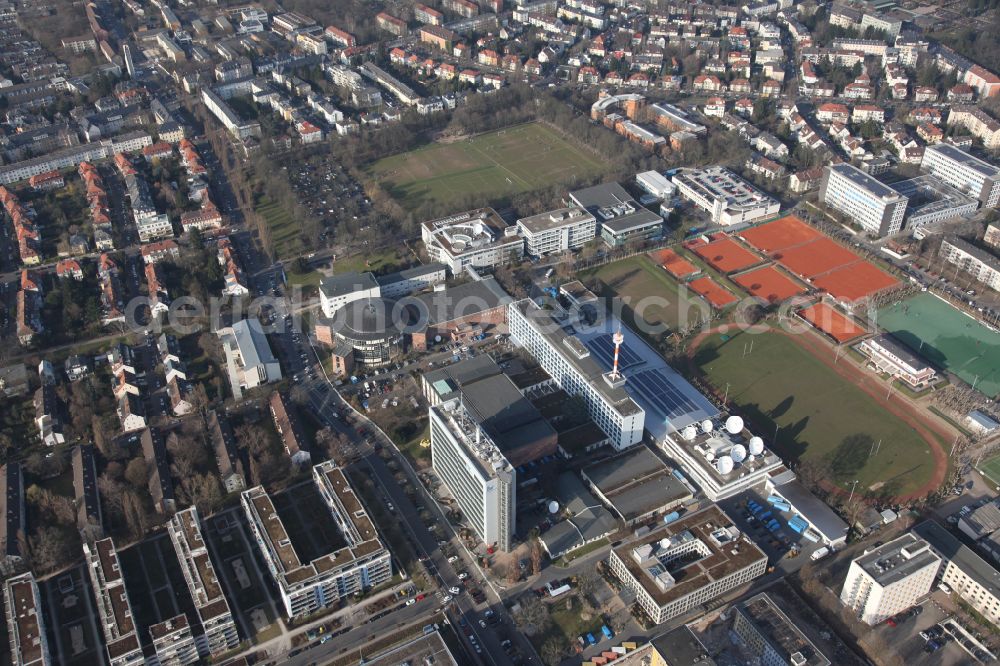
(870, 385)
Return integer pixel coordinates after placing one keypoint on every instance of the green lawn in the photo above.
(947, 338)
(491, 165)
(284, 233)
(636, 278)
(990, 468)
(820, 415)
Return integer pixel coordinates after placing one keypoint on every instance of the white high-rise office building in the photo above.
(889, 579)
(964, 171)
(876, 207)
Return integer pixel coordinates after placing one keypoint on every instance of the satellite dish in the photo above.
(707, 426)
(710, 456)
(738, 453)
(437, 338)
(734, 425)
(689, 433)
(724, 465)
(553, 507)
(756, 446)
(664, 543)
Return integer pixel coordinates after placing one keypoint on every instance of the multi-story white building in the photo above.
(557, 230)
(964, 171)
(722, 457)
(475, 471)
(726, 197)
(363, 562)
(978, 122)
(114, 612)
(199, 573)
(889, 579)
(249, 359)
(969, 576)
(979, 263)
(337, 291)
(568, 361)
(887, 355)
(477, 238)
(685, 564)
(25, 627)
(876, 207)
(173, 642)
(230, 119)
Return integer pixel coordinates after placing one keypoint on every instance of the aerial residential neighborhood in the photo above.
(479, 332)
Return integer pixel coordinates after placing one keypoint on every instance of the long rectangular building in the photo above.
(12, 518)
(726, 197)
(876, 207)
(306, 587)
(680, 566)
(979, 263)
(964, 171)
(213, 610)
(25, 627)
(969, 576)
(557, 230)
(114, 612)
(568, 361)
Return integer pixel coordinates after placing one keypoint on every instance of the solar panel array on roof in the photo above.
(655, 387)
(603, 347)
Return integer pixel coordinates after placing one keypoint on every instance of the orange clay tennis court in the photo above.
(708, 289)
(828, 320)
(781, 234)
(856, 281)
(726, 255)
(674, 264)
(769, 284)
(815, 258)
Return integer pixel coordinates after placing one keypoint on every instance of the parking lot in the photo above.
(71, 619)
(779, 546)
(905, 640)
(246, 584)
(155, 583)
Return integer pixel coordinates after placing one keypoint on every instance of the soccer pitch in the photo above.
(990, 468)
(820, 416)
(947, 338)
(488, 166)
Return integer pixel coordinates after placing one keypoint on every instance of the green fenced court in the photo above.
(491, 165)
(990, 468)
(946, 337)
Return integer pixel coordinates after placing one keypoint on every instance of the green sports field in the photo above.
(632, 280)
(990, 468)
(490, 165)
(947, 338)
(820, 416)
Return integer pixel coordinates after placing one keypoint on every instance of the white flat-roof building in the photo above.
(114, 612)
(199, 573)
(888, 356)
(22, 603)
(621, 219)
(249, 359)
(969, 576)
(876, 207)
(337, 291)
(726, 197)
(173, 642)
(306, 587)
(722, 457)
(477, 238)
(965, 171)
(568, 361)
(889, 579)
(475, 471)
(557, 230)
(687, 563)
(656, 184)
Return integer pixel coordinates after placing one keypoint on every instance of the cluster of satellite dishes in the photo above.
(737, 453)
